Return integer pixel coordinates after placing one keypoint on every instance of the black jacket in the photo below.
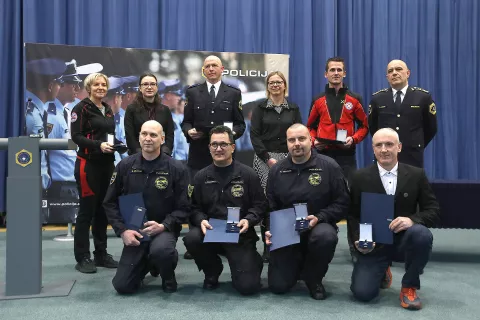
(203, 115)
(210, 199)
(89, 129)
(415, 121)
(413, 189)
(167, 205)
(136, 116)
(320, 184)
(268, 132)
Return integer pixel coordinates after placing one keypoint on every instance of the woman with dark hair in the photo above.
(268, 132)
(147, 106)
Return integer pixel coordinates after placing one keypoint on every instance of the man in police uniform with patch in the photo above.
(317, 180)
(408, 110)
(227, 183)
(43, 83)
(210, 104)
(163, 182)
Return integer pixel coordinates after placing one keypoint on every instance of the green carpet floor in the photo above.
(449, 289)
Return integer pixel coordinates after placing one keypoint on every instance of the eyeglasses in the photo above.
(275, 83)
(146, 85)
(222, 145)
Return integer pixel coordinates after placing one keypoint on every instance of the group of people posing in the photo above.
(293, 164)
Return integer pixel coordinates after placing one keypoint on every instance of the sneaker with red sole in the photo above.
(409, 299)
(387, 279)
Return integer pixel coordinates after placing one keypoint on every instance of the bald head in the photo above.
(151, 139)
(152, 125)
(386, 146)
(299, 143)
(213, 69)
(212, 58)
(397, 74)
(386, 132)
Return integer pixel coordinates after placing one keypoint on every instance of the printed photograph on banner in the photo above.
(54, 85)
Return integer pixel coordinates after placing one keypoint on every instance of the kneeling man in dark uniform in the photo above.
(227, 183)
(163, 182)
(317, 180)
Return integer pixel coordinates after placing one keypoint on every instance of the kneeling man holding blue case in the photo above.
(308, 195)
(146, 204)
(394, 205)
(227, 202)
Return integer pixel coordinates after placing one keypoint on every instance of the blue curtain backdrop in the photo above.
(439, 40)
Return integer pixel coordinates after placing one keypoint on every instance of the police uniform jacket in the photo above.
(90, 129)
(415, 121)
(319, 183)
(203, 114)
(164, 191)
(210, 199)
(413, 190)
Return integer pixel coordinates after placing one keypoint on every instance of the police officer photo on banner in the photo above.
(54, 75)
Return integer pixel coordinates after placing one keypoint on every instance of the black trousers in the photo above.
(414, 244)
(92, 182)
(348, 163)
(308, 260)
(245, 262)
(135, 262)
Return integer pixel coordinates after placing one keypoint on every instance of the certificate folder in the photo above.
(329, 141)
(282, 228)
(128, 205)
(378, 209)
(219, 233)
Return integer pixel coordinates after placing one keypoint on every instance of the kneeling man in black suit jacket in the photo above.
(416, 209)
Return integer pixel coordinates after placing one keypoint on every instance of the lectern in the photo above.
(24, 226)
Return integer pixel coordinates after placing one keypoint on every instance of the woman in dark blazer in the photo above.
(147, 106)
(268, 131)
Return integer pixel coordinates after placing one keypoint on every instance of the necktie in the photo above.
(212, 92)
(398, 99)
(65, 115)
(44, 120)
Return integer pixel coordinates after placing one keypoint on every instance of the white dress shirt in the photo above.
(403, 90)
(216, 86)
(389, 179)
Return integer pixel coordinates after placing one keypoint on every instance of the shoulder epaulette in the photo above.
(379, 91)
(52, 109)
(30, 106)
(228, 85)
(419, 89)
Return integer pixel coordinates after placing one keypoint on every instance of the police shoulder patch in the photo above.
(49, 127)
(240, 105)
(73, 117)
(432, 108)
(369, 109)
(114, 176)
(190, 190)
(379, 91)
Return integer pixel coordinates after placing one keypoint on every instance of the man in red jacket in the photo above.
(334, 113)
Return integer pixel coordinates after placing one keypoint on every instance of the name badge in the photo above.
(341, 135)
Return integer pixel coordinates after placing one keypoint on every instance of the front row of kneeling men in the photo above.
(304, 177)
